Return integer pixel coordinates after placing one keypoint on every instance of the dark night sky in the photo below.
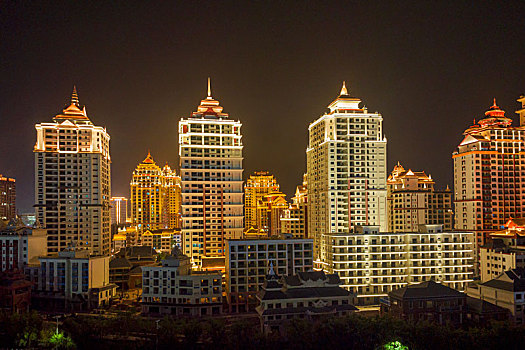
(428, 67)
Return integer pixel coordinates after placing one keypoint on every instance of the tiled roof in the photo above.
(423, 290)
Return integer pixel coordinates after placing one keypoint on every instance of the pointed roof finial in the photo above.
(494, 105)
(149, 158)
(344, 91)
(74, 96)
(209, 87)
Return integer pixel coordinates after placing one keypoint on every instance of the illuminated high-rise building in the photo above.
(72, 181)
(119, 210)
(257, 186)
(7, 198)
(521, 111)
(346, 167)
(171, 187)
(210, 153)
(295, 218)
(489, 180)
(413, 201)
(270, 209)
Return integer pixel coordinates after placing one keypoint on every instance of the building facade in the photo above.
(294, 220)
(72, 280)
(489, 176)
(371, 263)
(507, 291)
(427, 301)
(73, 180)
(413, 201)
(258, 185)
(504, 252)
(174, 289)
(346, 167)
(7, 198)
(247, 262)
(210, 153)
(163, 241)
(20, 246)
(313, 296)
(119, 210)
(270, 209)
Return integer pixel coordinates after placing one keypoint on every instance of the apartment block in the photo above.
(174, 289)
(346, 167)
(413, 201)
(248, 260)
(371, 263)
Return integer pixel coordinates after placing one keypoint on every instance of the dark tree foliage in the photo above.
(127, 331)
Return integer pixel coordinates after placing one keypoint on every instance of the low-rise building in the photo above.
(72, 280)
(372, 263)
(20, 245)
(312, 295)
(125, 268)
(427, 301)
(15, 292)
(505, 251)
(247, 262)
(507, 290)
(162, 240)
(174, 289)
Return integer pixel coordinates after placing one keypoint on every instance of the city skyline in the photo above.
(428, 80)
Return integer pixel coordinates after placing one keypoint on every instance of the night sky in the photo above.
(428, 67)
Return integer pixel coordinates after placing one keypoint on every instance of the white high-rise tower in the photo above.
(72, 181)
(346, 167)
(210, 152)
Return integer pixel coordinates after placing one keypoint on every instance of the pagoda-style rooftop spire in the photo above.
(344, 91)
(149, 159)
(209, 89)
(74, 96)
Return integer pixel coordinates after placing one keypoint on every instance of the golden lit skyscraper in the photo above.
(270, 208)
(257, 186)
(489, 181)
(146, 195)
(72, 180)
(210, 153)
(155, 196)
(295, 218)
(171, 187)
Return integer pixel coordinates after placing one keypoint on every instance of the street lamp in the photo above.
(157, 337)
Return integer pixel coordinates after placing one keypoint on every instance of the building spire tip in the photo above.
(209, 87)
(344, 91)
(74, 96)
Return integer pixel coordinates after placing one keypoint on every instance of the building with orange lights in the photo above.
(505, 250)
(413, 201)
(294, 220)
(119, 210)
(259, 184)
(210, 153)
(346, 167)
(72, 180)
(7, 198)
(155, 196)
(270, 209)
(489, 175)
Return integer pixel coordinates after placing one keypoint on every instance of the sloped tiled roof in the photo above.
(424, 290)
